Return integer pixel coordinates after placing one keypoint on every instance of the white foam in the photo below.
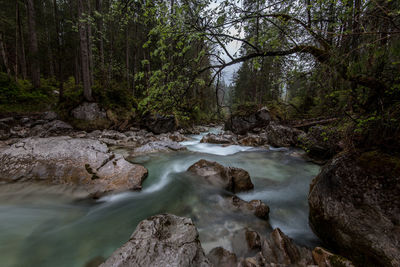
(217, 149)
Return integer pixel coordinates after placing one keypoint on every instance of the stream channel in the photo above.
(41, 227)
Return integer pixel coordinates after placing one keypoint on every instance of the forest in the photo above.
(301, 95)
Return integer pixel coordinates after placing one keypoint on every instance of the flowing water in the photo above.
(47, 226)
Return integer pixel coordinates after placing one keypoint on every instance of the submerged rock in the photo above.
(256, 207)
(228, 178)
(355, 207)
(63, 160)
(162, 240)
(243, 123)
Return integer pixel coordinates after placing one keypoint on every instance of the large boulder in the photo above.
(159, 124)
(162, 240)
(355, 207)
(228, 178)
(84, 163)
(321, 143)
(88, 112)
(241, 123)
(280, 135)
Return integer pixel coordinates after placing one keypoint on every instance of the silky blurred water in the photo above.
(48, 226)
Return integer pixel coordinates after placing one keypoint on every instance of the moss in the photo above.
(245, 109)
(338, 261)
(380, 163)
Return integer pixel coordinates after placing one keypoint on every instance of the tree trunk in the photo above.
(89, 32)
(33, 44)
(127, 56)
(4, 55)
(87, 89)
(59, 54)
(22, 57)
(16, 41)
(77, 68)
(99, 7)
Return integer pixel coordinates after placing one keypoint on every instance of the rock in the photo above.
(7, 120)
(220, 257)
(94, 134)
(228, 178)
(162, 240)
(253, 240)
(111, 134)
(280, 249)
(324, 258)
(253, 140)
(88, 112)
(275, 250)
(355, 207)
(25, 120)
(158, 146)
(63, 160)
(49, 116)
(19, 132)
(52, 128)
(159, 124)
(281, 136)
(321, 142)
(218, 139)
(256, 207)
(4, 126)
(4, 134)
(243, 123)
(177, 137)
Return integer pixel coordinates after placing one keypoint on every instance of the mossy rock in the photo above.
(85, 125)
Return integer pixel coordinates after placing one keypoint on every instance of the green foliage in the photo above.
(19, 96)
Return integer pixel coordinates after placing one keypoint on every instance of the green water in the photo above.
(41, 226)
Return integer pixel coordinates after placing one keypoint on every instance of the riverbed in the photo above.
(52, 226)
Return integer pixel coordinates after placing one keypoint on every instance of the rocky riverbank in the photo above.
(43, 149)
(169, 240)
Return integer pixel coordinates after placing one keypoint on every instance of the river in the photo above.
(48, 226)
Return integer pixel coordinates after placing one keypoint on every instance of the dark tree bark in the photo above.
(90, 52)
(4, 55)
(33, 44)
(127, 56)
(22, 56)
(99, 7)
(87, 89)
(59, 52)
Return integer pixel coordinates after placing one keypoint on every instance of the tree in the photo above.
(33, 44)
(84, 53)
